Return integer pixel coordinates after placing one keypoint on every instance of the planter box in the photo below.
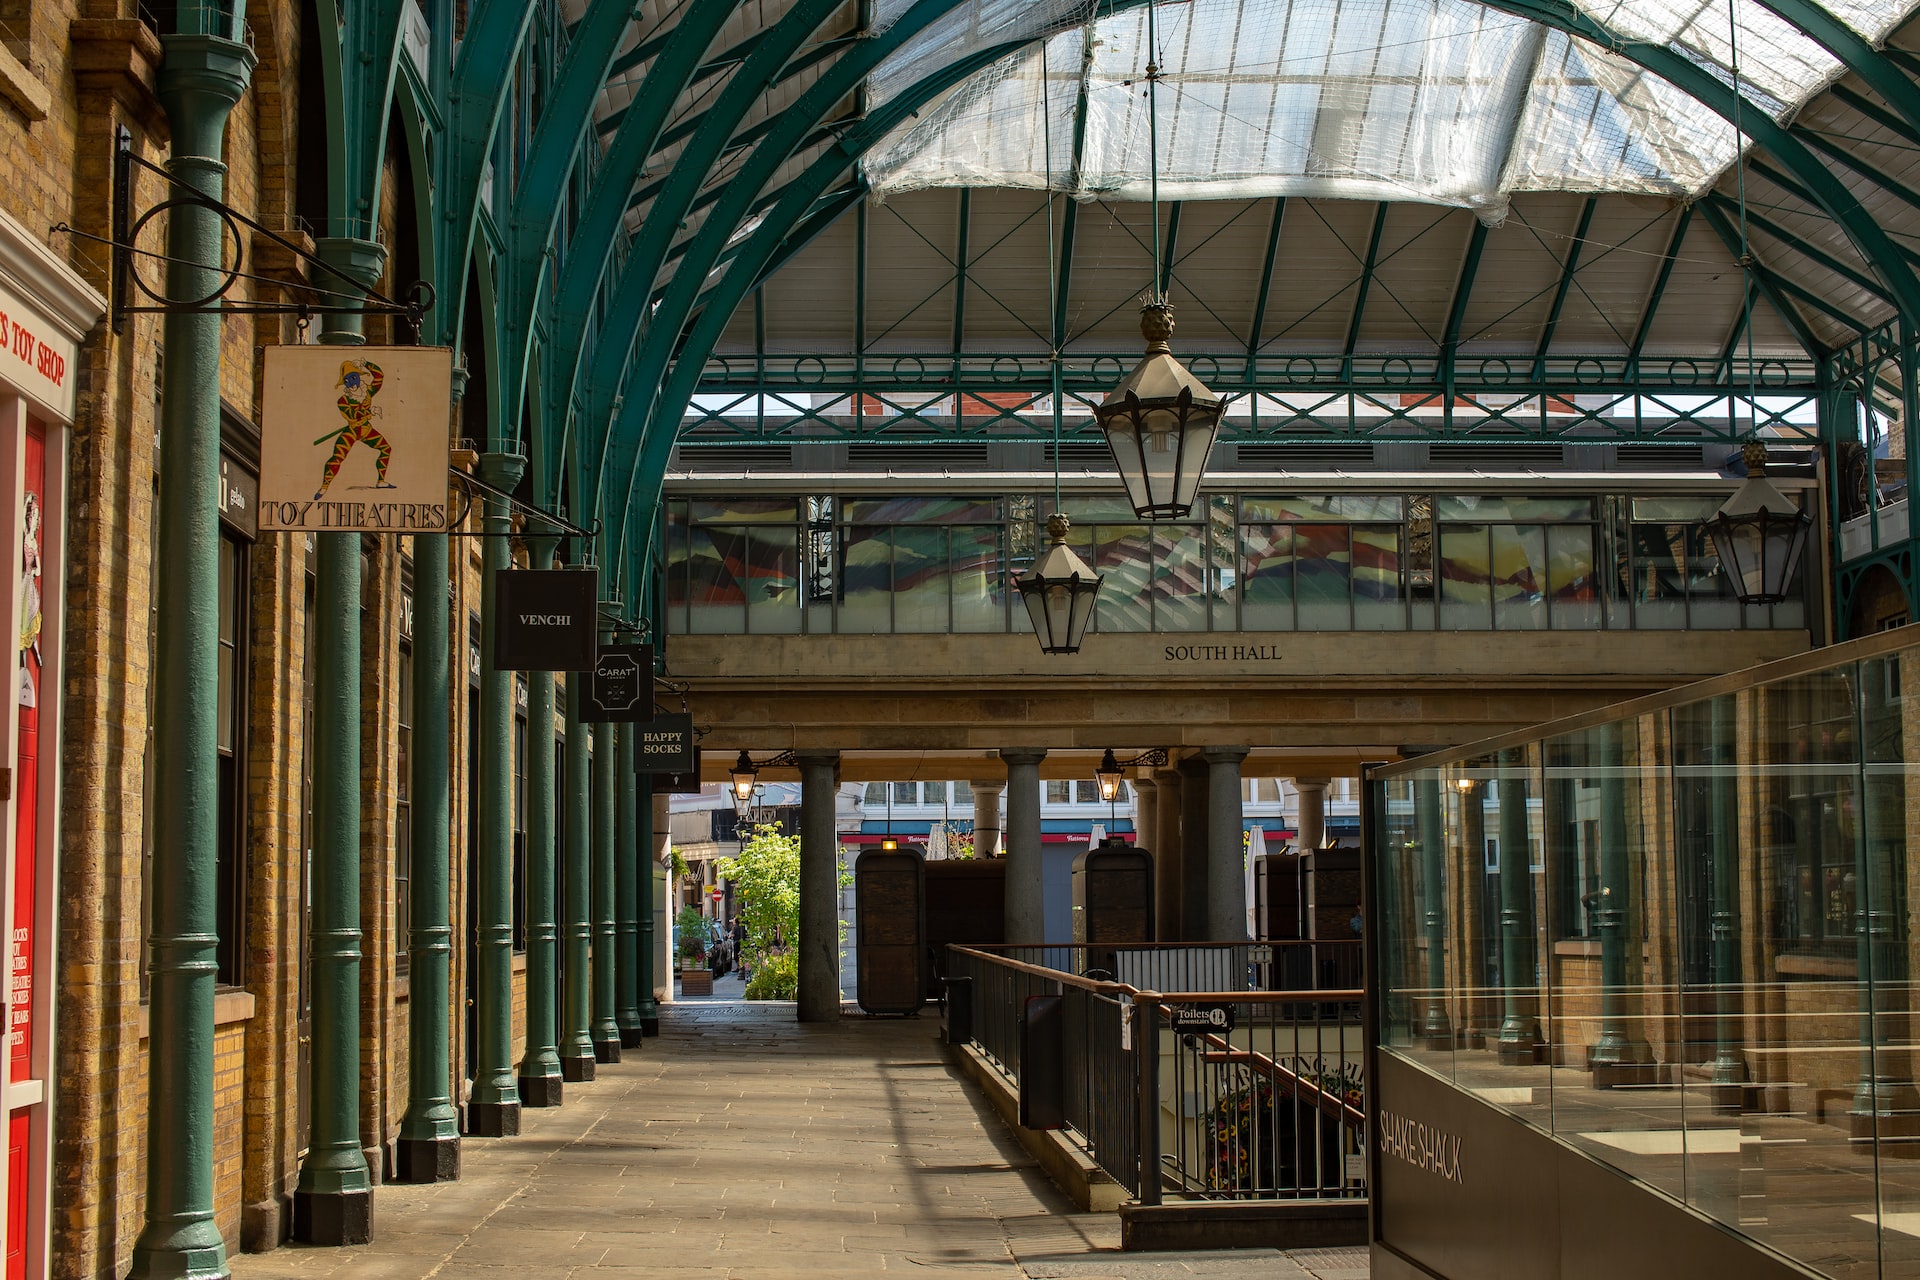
(696, 982)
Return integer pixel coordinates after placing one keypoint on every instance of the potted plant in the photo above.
(690, 953)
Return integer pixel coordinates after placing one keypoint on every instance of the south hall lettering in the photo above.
(1224, 653)
(1421, 1145)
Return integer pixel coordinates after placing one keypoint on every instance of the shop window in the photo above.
(875, 793)
(1086, 792)
(1059, 793)
(906, 793)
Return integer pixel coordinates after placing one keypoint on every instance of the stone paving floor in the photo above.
(741, 1145)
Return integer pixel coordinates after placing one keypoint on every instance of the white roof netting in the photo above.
(1440, 101)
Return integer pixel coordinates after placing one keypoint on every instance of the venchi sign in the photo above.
(355, 439)
(546, 619)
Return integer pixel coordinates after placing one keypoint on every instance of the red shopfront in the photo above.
(45, 311)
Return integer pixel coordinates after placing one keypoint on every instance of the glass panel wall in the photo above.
(1681, 941)
(1245, 562)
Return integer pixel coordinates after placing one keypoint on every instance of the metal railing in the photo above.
(1236, 1074)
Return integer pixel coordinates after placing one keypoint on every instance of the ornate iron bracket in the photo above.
(353, 299)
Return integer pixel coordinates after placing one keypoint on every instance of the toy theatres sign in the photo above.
(354, 439)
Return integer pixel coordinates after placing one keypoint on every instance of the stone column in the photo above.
(1146, 816)
(1026, 917)
(1166, 856)
(539, 1070)
(1226, 855)
(631, 838)
(576, 909)
(819, 941)
(986, 817)
(1311, 829)
(1193, 849)
(1519, 1031)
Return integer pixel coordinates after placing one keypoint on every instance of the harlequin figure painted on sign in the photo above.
(359, 382)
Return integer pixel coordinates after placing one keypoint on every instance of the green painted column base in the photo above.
(182, 1260)
(423, 1160)
(576, 1070)
(633, 1037)
(541, 1091)
(493, 1119)
(333, 1218)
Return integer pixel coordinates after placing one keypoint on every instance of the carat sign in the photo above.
(355, 439)
(621, 691)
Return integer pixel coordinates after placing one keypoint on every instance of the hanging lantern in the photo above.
(1059, 591)
(743, 776)
(1108, 776)
(1160, 423)
(1759, 535)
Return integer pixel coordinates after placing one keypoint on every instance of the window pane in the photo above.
(676, 567)
(1321, 508)
(1377, 603)
(745, 511)
(1571, 577)
(717, 598)
(1059, 792)
(1323, 576)
(1513, 507)
(866, 577)
(1266, 577)
(1086, 792)
(924, 510)
(1179, 578)
(906, 793)
(1710, 598)
(773, 594)
(1125, 560)
(979, 579)
(1659, 582)
(1465, 600)
(876, 793)
(1519, 577)
(920, 579)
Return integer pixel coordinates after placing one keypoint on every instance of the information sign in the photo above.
(621, 691)
(1201, 1019)
(546, 619)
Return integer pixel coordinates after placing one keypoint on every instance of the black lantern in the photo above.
(1059, 592)
(1759, 535)
(1160, 423)
(743, 775)
(1108, 776)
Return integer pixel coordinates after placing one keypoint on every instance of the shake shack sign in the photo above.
(621, 691)
(665, 745)
(546, 619)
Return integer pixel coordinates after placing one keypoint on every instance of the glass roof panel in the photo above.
(1442, 101)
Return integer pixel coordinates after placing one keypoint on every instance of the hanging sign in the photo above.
(621, 691)
(666, 746)
(1200, 1019)
(546, 619)
(676, 784)
(354, 439)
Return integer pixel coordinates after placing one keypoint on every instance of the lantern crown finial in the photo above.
(1058, 526)
(1754, 454)
(1156, 326)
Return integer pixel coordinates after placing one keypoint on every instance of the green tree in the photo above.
(766, 876)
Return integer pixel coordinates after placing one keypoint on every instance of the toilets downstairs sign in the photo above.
(354, 439)
(546, 619)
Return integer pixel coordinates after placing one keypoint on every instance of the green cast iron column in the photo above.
(576, 923)
(626, 893)
(1729, 1070)
(1519, 1032)
(429, 1146)
(493, 1110)
(1621, 1055)
(333, 1202)
(1436, 1029)
(201, 78)
(650, 895)
(540, 1081)
(606, 1027)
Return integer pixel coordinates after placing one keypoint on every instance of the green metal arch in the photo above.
(1843, 42)
(590, 247)
(614, 340)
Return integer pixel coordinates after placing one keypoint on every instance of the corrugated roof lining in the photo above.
(1439, 101)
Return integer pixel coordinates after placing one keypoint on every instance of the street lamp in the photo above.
(1059, 592)
(1108, 776)
(1160, 423)
(1759, 534)
(743, 775)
